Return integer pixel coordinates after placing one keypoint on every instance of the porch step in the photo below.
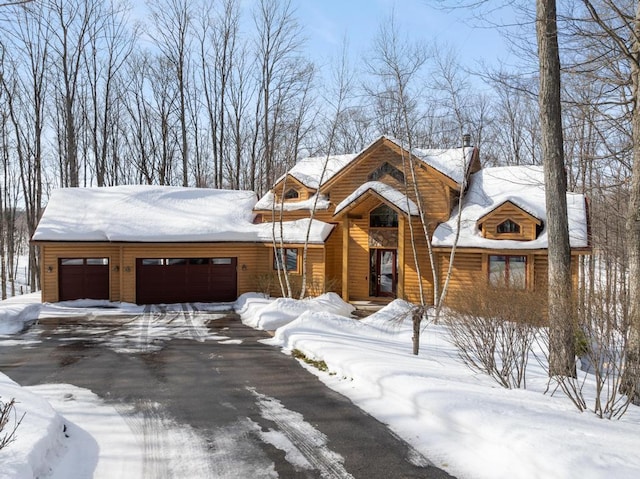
(365, 308)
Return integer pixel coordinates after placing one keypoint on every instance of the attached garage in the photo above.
(181, 280)
(80, 278)
(163, 244)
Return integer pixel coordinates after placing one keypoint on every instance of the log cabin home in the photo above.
(360, 215)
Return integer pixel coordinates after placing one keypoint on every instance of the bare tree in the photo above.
(173, 20)
(109, 45)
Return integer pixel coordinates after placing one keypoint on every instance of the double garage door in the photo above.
(158, 280)
(182, 280)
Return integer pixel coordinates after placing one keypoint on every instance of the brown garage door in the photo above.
(184, 280)
(80, 278)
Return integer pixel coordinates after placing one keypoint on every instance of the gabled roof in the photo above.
(161, 214)
(308, 171)
(514, 202)
(454, 163)
(523, 186)
(396, 198)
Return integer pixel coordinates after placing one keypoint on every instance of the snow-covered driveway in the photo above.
(201, 397)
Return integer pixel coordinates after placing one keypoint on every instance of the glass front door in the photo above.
(384, 272)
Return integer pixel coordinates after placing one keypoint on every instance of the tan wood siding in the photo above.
(333, 256)
(269, 216)
(358, 262)
(411, 286)
(468, 270)
(315, 282)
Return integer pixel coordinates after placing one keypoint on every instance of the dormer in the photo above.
(509, 221)
(294, 190)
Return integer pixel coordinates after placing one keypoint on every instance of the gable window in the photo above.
(508, 271)
(291, 194)
(508, 226)
(383, 217)
(287, 257)
(386, 169)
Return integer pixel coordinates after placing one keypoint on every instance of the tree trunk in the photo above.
(561, 314)
(632, 372)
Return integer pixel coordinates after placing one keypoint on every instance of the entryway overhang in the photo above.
(371, 194)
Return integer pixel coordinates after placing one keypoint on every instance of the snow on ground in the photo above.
(460, 420)
(123, 327)
(268, 314)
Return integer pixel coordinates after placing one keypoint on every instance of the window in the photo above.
(286, 256)
(508, 226)
(71, 261)
(291, 194)
(152, 262)
(508, 271)
(383, 217)
(386, 169)
(176, 261)
(220, 260)
(84, 261)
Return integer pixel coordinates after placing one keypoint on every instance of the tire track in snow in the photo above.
(310, 442)
(170, 450)
(195, 331)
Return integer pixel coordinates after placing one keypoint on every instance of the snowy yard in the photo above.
(460, 420)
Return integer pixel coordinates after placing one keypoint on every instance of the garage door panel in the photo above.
(175, 280)
(80, 278)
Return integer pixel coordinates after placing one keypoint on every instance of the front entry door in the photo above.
(384, 272)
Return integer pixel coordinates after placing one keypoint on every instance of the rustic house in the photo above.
(164, 244)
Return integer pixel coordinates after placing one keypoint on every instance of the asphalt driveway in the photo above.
(257, 409)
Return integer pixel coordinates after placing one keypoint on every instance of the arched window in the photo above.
(383, 217)
(386, 169)
(508, 226)
(291, 194)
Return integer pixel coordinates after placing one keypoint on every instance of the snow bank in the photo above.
(39, 438)
(458, 419)
(14, 317)
(269, 314)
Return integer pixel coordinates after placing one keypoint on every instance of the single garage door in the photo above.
(185, 280)
(80, 278)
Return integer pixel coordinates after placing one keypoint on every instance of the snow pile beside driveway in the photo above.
(39, 438)
(15, 317)
(267, 314)
(460, 420)
(18, 312)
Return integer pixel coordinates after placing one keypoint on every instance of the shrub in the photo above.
(494, 330)
(268, 284)
(8, 430)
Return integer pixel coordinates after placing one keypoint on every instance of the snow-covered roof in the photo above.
(308, 171)
(389, 193)
(451, 162)
(266, 203)
(522, 185)
(160, 214)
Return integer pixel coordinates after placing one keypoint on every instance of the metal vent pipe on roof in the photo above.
(466, 140)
